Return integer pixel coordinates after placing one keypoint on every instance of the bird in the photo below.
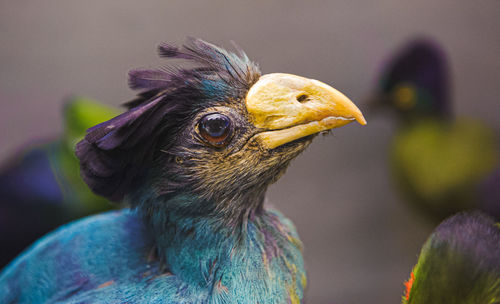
(459, 263)
(40, 188)
(193, 156)
(442, 164)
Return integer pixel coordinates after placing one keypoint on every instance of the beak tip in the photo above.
(358, 116)
(361, 120)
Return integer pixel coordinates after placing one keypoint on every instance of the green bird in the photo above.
(40, 186)
(459, 263)
(441, 164)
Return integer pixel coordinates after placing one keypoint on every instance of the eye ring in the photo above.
(215, 129)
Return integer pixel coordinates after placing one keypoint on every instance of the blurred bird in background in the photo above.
(441, 164)
(40, 185)
(459, 263)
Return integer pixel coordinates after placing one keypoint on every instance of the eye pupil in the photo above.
(215, 125)
(215, 128)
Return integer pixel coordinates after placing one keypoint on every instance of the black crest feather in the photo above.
(115, 154)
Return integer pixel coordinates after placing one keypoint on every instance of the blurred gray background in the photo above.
(360, 240)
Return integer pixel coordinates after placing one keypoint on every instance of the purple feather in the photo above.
(149, 79)
(112, 153)
(170, 51)
(115, 154)
(473, 233)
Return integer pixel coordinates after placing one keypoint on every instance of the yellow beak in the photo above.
(288, 107)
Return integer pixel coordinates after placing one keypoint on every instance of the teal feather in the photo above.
(189, 238)
(118, 265)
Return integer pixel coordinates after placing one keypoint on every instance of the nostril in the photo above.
(302, 98)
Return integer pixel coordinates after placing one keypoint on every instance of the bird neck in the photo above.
(200, 248)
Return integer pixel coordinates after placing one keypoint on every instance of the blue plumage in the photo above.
(194, 166)
(108, 258)
(176, 245)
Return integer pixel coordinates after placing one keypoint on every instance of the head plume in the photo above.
(115, 154)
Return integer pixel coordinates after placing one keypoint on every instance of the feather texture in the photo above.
(114, 154)
(459, 263)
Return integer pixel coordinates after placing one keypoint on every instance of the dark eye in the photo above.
(215, 128)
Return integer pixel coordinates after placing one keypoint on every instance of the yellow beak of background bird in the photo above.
(288, 107)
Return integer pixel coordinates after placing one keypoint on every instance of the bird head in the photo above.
(218, 131)
(414, 83)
